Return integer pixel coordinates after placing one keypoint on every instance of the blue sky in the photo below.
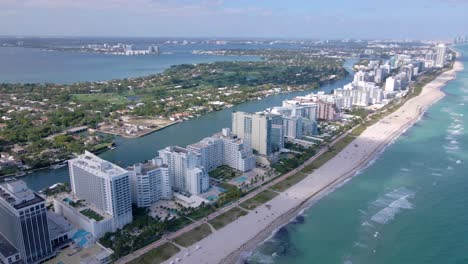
(428, 19)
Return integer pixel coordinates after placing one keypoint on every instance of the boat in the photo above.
(20, 174)
(58, 166)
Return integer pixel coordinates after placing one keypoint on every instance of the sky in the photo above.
(322, 19)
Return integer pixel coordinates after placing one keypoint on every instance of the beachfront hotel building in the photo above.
(24, 229)
(299, 118)
(327, 111)
(262, 131)
(441, 51)
(210, 151)
(390, 84)
(185, 171)
(224, 148)
(150, 182)
(293, 127)
(101, 198)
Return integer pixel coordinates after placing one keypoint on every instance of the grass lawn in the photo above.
(258, 199)
(193, 236)
(224, 173)
(288, 182)
(227, 217)
(91, 214)
(110, 98)
(201, 212)
(101, 146)
(176, 224)
(226, 185)
(157, 255)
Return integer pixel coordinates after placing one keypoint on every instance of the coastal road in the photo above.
(196, 224)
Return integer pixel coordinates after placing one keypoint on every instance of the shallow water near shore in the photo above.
(409, 206)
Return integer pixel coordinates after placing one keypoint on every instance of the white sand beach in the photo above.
(226, 244)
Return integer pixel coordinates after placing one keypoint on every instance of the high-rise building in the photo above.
(361, 76)
(408, 69)
(379, 75)
(440, 58)
(393, 62)
(257, 130)
(277, 137)
(390, 84)
(299, 119)
(104, 185)
(150, 182)
(293, 127)
(326, 111)
(360, 97)
(224, 148)
(309, 111)
(430, 56)
(153, 49)
(185, 170)
(24, 230)
(211, 152)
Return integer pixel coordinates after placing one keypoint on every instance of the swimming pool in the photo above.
(241, 179)
(82, 237)
(212, 198)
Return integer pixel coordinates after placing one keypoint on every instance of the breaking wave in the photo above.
(394, 202)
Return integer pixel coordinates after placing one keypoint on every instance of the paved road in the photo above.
(194, 225)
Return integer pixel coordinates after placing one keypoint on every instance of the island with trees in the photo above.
(43, 124)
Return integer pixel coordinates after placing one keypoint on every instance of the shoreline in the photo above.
(150, 131)
(282, 209)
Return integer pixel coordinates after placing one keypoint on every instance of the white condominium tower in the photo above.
(440, 57)
(185, 170)
(104, 185)
(224, 148)
(150, 182)
(262, 131)
(211, 152)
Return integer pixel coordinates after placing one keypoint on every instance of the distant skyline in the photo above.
(398, 19)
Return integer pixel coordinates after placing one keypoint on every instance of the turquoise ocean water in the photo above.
(409, 206)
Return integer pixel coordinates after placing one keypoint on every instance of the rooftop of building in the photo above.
(85, 209)
(18, 195)
(176, 149)
(143, 168)
(6, 248)
(99, 166)
(93, 254)
(193, 201)
(58, 225)
(234, 138)
(202, 143)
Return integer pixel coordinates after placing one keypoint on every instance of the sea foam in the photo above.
(394, 202)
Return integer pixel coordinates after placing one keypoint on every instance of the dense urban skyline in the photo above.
(225, 18)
